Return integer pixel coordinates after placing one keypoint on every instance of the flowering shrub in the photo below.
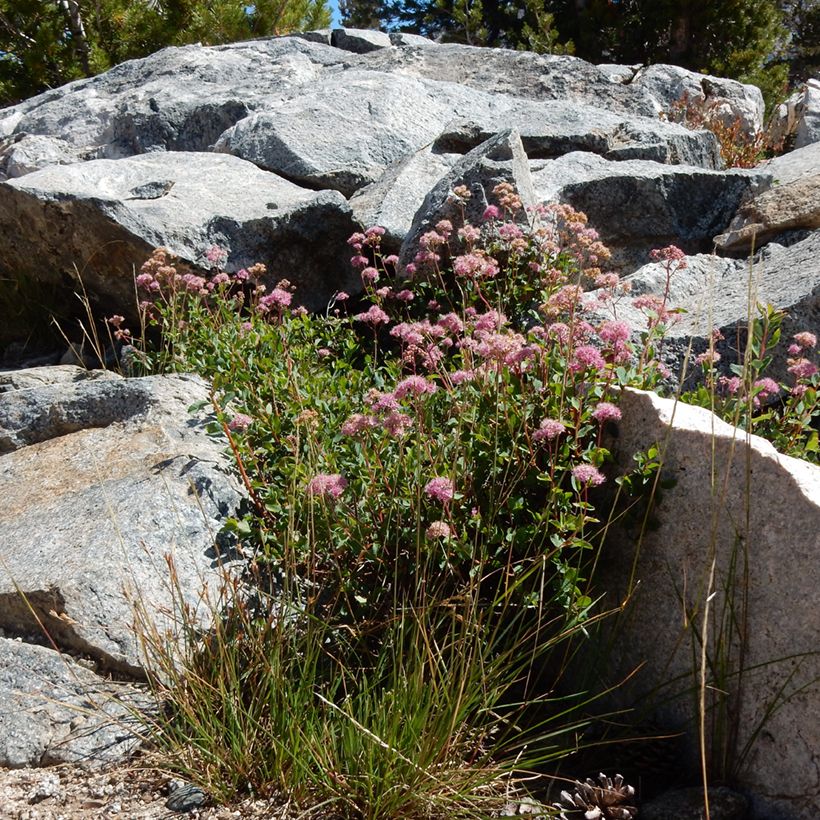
(738, 148)
(438, 447)
(787, 414)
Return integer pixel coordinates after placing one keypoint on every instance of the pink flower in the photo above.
(327, 484)
(489, 321)
(444, 227)
(438, 529)
(650, 304)
(559, 331)
(145, 281)
(587, 358)
(451, 322)
(767, 387)
(358, 424)
(193, 283)
(607, 280)
(510, 231)
(383, 402)
(708, 357)
(240, 422)
(405, 295)
(369, 276)
(341, 296)
(605, 411)
(414, 386)
(221, 278)
(431, 240)
(374, 316)
(397, 424)
(805, 339)
(548, 430)
(470, 234)
(216, 255)
(671, 253)
(614, 332)
(474, 266)
(586, 474)
(802, 368)
(491, 212)
(278, 298)
(731, 384)
(359, 261)
(462, 376)
(116, 321)
(440, 489)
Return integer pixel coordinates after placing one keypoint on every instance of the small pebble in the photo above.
(47, 786)
(185, 797)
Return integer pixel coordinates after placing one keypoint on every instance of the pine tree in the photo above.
(803, 43)
(45, 43)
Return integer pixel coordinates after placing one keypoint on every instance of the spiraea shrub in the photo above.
(426, 464)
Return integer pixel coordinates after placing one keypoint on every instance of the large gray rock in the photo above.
(714, 293)
(753, 510)
(500, 159)
(42, 376)
(344, 132)
(359, 41)
(323, 139)
(557, 77)
(637, 205)
(808, 126)
(105, 217)
(56, 710)
(798, 118)
(728, 99)
(553, 128)
(393, 200)
(179, 99)
(22, 153)
(101, 482)
(793, 203)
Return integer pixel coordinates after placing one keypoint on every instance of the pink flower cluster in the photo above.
(438, 529)
(587, 475)
(414, 386)
(606, 411)
(475, 265)
(240, 422)
(327, 485)
(440, 489)
(548, 430)
(374, 316)
(671, 254)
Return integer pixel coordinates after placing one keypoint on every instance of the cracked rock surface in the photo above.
(103, 482)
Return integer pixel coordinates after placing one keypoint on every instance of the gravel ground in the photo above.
(69, 792)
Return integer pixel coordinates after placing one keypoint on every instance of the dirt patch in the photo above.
(121, 793)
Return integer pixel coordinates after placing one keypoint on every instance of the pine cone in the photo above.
(607, 801)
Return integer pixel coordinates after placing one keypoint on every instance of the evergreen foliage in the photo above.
(803, 49)
(46, 44)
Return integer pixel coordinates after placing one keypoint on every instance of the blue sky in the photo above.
(334, 7)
